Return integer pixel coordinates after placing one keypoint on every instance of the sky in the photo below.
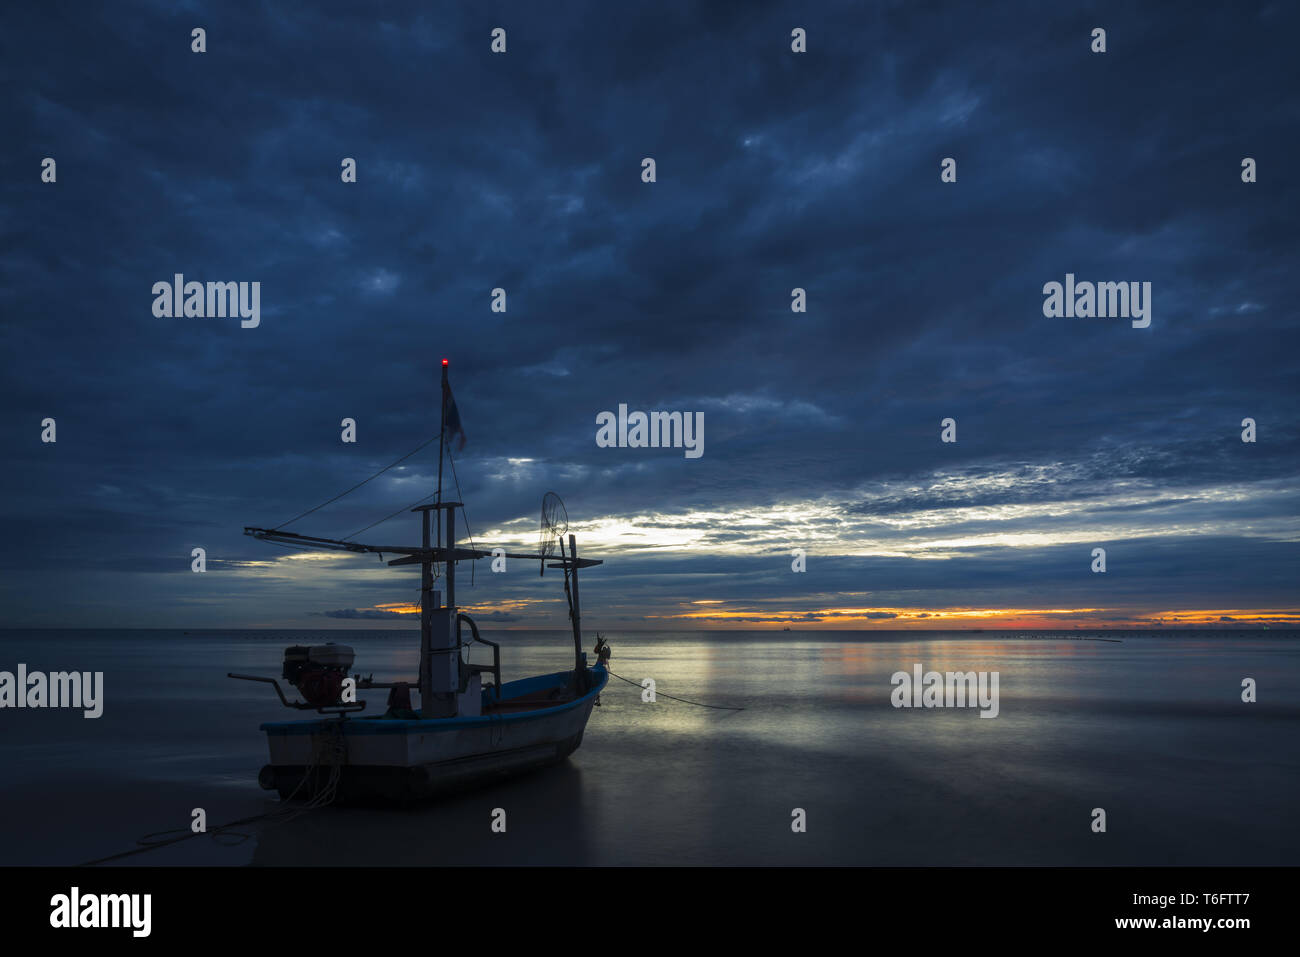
(774, 170)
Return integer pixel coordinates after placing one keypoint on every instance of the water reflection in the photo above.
(1152, 729)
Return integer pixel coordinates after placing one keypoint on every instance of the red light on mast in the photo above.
(444, 363)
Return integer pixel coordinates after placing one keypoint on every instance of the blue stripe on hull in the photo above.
(510, 689)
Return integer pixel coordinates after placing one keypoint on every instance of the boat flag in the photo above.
(451, 416)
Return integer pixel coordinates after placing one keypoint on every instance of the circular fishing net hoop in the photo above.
(555, 524)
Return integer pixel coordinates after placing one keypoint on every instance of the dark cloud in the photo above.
(774, 171)
(368, 613)
(497, 616)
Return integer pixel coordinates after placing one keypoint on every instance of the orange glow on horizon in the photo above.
(504, 606)
(997, 618)
(895, 618)
(401, 607)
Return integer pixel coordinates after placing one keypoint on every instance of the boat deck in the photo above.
(546, 698)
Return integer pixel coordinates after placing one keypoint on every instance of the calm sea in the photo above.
(1151, 729)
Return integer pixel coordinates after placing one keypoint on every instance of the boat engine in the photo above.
(317, 671)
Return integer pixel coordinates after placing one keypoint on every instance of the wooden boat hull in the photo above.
(377, 759)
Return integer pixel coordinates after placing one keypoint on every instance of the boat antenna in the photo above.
(555, 524)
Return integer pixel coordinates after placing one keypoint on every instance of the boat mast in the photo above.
(441, 675)
(438, 678)
(428, 601)
(442, 432)
(426, 616)
(575, 612)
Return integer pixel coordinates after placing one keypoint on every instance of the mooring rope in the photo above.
(332, 744)
(660, 694)
(333, 747)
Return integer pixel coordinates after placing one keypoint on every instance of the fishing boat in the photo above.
(471, 726)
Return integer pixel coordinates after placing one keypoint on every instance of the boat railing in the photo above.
(495, 669)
